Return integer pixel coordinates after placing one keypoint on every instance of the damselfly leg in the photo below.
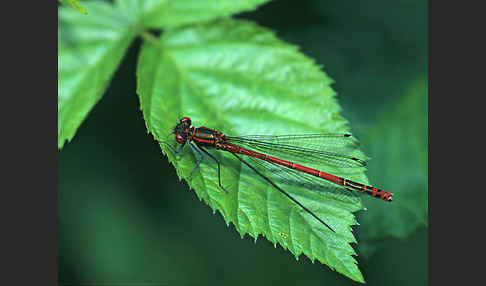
(196, 147)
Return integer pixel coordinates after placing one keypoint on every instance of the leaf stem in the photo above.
(147, 36)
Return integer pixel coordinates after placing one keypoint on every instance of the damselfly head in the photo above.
(186, 121)
(181, 129)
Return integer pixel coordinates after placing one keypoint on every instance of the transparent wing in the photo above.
(330, 149)
(286, 176)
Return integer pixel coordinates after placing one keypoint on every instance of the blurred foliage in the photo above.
(125, 218)
(400, 162)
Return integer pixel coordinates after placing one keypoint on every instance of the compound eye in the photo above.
(186, 120)
(180, 139)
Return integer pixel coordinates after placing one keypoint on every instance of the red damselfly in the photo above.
(268, 151)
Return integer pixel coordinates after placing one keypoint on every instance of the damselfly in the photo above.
(311, 148)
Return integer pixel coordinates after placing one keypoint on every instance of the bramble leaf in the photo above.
(240, 79)
(174, 13)
(398, 147)
(90, 49)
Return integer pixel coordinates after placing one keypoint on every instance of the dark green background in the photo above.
(124, 217)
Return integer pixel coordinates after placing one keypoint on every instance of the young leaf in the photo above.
(89, 50)
(174, 13)
(398, 144)
(74, 4)
(239, 78)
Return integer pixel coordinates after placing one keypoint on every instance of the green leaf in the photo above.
(90, 49)
(398, 147)
(239, 78)
(175, 13)
(74, 4)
